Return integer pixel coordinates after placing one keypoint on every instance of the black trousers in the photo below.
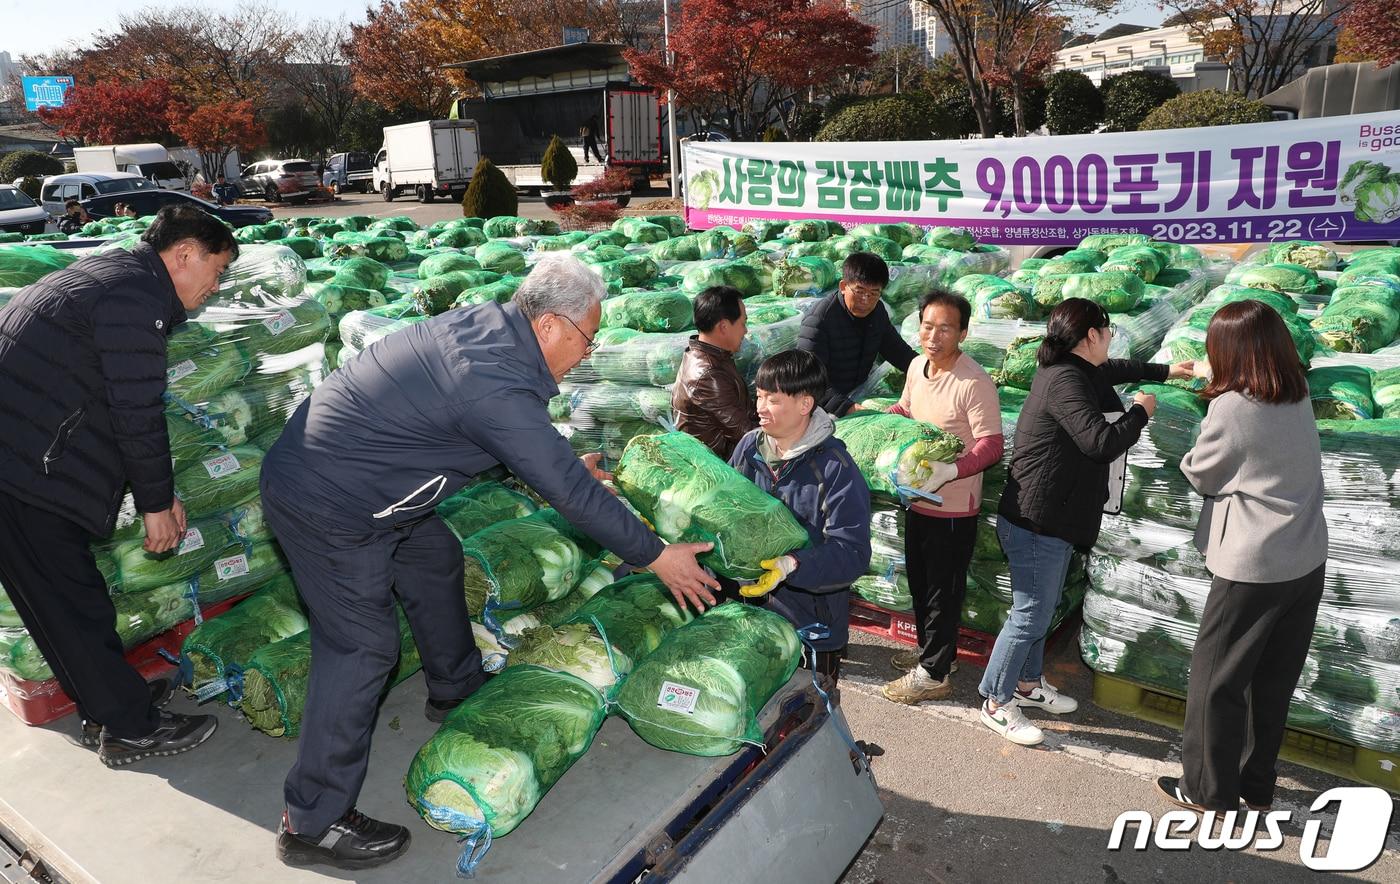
(828, 662)
(591, 144)
(937, 552)
(1252, 645)
(348, 581)
(50, 575)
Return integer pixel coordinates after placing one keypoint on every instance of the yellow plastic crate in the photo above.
(1300, 747)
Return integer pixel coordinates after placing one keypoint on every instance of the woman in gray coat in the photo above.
(1258, 464)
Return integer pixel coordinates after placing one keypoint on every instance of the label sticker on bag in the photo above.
(231, 567)
(677, 698)
(190, 541)
(222, 465)
(180, 370)
(279, 322)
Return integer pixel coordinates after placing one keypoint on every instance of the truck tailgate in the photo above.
(210, 815)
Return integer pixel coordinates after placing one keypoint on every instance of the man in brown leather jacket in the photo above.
(710, 398)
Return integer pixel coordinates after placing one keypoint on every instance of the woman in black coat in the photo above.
(1071, 428)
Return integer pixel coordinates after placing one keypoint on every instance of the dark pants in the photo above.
(828, 662)
(591, 144)
(1252, 645)
(348, 580)
(51, 577)
(937, 552)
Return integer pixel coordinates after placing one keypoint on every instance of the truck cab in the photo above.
(150, 161)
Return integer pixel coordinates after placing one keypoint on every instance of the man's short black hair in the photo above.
(220, 175)
(176, 223)
(948, 299)
(71, 203)
(716, 303)
(864, 268)
(792, 373)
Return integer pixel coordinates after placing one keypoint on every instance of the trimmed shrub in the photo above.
(1209, 107)
(31, 185)
(1129, 97)
(907, 117)
(1072, 105)
(24, 163)
(490, 194)
(559, 167)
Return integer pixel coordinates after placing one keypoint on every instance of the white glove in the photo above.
(939, 475)
(1201, 369)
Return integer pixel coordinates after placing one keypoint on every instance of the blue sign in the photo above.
(45, 91)
(576, 35)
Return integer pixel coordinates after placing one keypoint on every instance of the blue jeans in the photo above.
(1038, 568)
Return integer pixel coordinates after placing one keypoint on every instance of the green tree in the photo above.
(1207, 108)
(490, 194)
(27, 163)
(559, 167)
(1129, 97)
(1072, 105)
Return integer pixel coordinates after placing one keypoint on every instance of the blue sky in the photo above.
(25, 31)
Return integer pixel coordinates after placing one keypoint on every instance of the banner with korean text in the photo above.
(1336, 178)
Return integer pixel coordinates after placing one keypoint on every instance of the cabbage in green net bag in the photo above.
(269, 615)
(634, 614)
(204, 541)
(481, 506)
(1311, 255)
(500, 751)
(1117, 291)
(805, 276)
(220, 482)
(690, 495)
(647, 311)
(520, 564)
(738, 274)
(1357, 325)
(895, 453)
(700, 692)
(1342, 392)
(1385, 387)
(1018, 368)
(498, 257)
(1276, 277)
(575, 648)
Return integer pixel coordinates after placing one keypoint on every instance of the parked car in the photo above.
(278, 180)
(148, 202)
(59, 189)
(350, 171)
(19, 213)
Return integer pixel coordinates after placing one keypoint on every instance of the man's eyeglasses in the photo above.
(591, 344)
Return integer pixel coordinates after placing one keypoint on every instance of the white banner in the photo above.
(1323, 179)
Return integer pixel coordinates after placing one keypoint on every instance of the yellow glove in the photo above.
(647, 522)
(775, 572)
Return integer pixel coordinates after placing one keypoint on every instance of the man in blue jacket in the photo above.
(794, 456)
(82, 373)
(350, 490)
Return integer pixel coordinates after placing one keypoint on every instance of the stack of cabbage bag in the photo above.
(1149, 584)
(236, 371)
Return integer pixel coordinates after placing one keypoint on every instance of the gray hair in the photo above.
(562, 284)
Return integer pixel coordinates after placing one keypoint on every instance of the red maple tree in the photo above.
(218, 129)
(745, 59)
(113, 112)
(1371, 32)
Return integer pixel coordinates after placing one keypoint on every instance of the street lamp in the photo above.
(1160, 44)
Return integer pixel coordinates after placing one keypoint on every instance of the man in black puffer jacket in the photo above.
(82, 373)
(849, 328)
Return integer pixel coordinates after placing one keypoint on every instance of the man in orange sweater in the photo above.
(944, 387)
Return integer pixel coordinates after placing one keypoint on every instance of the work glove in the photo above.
(775, 571)
(940, 474)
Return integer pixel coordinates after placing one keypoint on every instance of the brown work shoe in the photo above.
(917, 686)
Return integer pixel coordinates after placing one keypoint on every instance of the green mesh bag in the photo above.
(1276, 277)
(481, 506)
(680, 248)
(1018, 368)
(519, 565)
(498, 257)
(640, 230)
(890, 593)
(500, 292)
(269, 615)
(1342, 392)
(663, 311)
(1385, 388)
(241, 570)
(501, 750)
(276, 675)
(690, 495)
(1117, 291)
(1143, 261)
(634, 614)
(629, 271)
(700, 692)
(1356, 325)
(738, 274)
(1107, 242)
(575, 648)
(1311, 255)
(805, 276)
(446, 262)
(204, 541)
(958, 238)
(895, 453)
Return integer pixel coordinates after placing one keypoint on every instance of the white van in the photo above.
(150, 161)
(59, 189)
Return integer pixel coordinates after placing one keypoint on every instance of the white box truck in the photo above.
(150, 161)
(431, 158)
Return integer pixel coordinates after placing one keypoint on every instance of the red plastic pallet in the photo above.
(974, 646)
(42, 702)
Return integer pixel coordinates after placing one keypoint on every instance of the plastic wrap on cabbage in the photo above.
(805, 276)
(647, 311)
(691, 495)
(1117, 291)
(1303, 253)
(1019, 365)
(1341, 392)
(1277, 277)
(894, 452)
(738, 274)
(700, 691)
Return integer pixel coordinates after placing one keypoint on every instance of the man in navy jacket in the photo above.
(350, 490)
(82, 373)
(794, 456)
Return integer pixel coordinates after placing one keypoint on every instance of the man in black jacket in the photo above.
(849, 328)
(82, 373)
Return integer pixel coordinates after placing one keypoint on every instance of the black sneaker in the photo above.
(162, 690)
(352, 842)
(1170, 787)
(437, 711)
(176, 733)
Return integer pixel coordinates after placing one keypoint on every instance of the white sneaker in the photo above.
(1047, 698)
(1011, 722)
